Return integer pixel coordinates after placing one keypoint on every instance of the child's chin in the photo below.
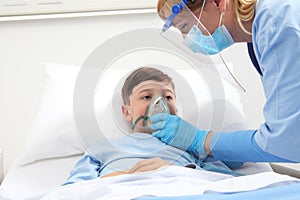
(143, 130)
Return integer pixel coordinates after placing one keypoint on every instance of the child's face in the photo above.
(141, 96)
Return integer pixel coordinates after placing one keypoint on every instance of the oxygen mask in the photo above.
(157, 105)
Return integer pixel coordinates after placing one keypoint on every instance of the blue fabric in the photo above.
(87, 168)
(276, 42)
(287, 192)
(245, 147)
(108, 156)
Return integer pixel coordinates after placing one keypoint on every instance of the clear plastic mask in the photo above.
(157, 105)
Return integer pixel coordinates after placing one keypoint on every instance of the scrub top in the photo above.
(276, 43)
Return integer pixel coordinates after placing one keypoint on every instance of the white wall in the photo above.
(25, 44)
(253, 99)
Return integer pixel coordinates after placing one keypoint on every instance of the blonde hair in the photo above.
(244, 10)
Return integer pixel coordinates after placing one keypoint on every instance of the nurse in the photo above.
(272, 30)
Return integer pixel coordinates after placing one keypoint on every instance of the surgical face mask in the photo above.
(156, 105)
(207, 45)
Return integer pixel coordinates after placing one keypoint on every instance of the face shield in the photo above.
(195, 35)
(196, 40)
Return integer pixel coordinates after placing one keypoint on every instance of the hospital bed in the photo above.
(54, 147)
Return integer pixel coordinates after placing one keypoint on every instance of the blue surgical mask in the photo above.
(208, 45)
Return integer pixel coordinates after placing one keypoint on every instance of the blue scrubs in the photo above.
(276, 43)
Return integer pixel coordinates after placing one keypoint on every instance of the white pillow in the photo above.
(53, 133)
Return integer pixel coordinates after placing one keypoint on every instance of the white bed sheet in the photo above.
(24, 182)
(166, 181)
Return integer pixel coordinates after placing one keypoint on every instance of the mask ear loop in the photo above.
(233, 77)
(221, 17)
(201, 11)
(220, 55)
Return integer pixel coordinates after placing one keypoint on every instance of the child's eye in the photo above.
(168, 98)
(147, 97)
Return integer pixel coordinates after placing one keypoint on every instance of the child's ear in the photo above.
(126, 113)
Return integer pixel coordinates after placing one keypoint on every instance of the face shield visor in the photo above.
(196, 40)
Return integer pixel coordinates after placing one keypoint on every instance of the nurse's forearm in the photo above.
(239, 146)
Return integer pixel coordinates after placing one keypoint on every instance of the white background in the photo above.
(23, 7)
(24, 44)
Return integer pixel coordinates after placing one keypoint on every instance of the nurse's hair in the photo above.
(140, 75)
(244, 10)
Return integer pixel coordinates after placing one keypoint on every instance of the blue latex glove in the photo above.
(178, 133)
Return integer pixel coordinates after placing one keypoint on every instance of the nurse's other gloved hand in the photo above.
(178, 133)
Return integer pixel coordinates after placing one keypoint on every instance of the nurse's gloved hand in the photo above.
(178, 133)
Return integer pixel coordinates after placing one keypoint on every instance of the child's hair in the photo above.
(140, 75)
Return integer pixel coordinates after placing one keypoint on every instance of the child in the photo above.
(139, 151)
